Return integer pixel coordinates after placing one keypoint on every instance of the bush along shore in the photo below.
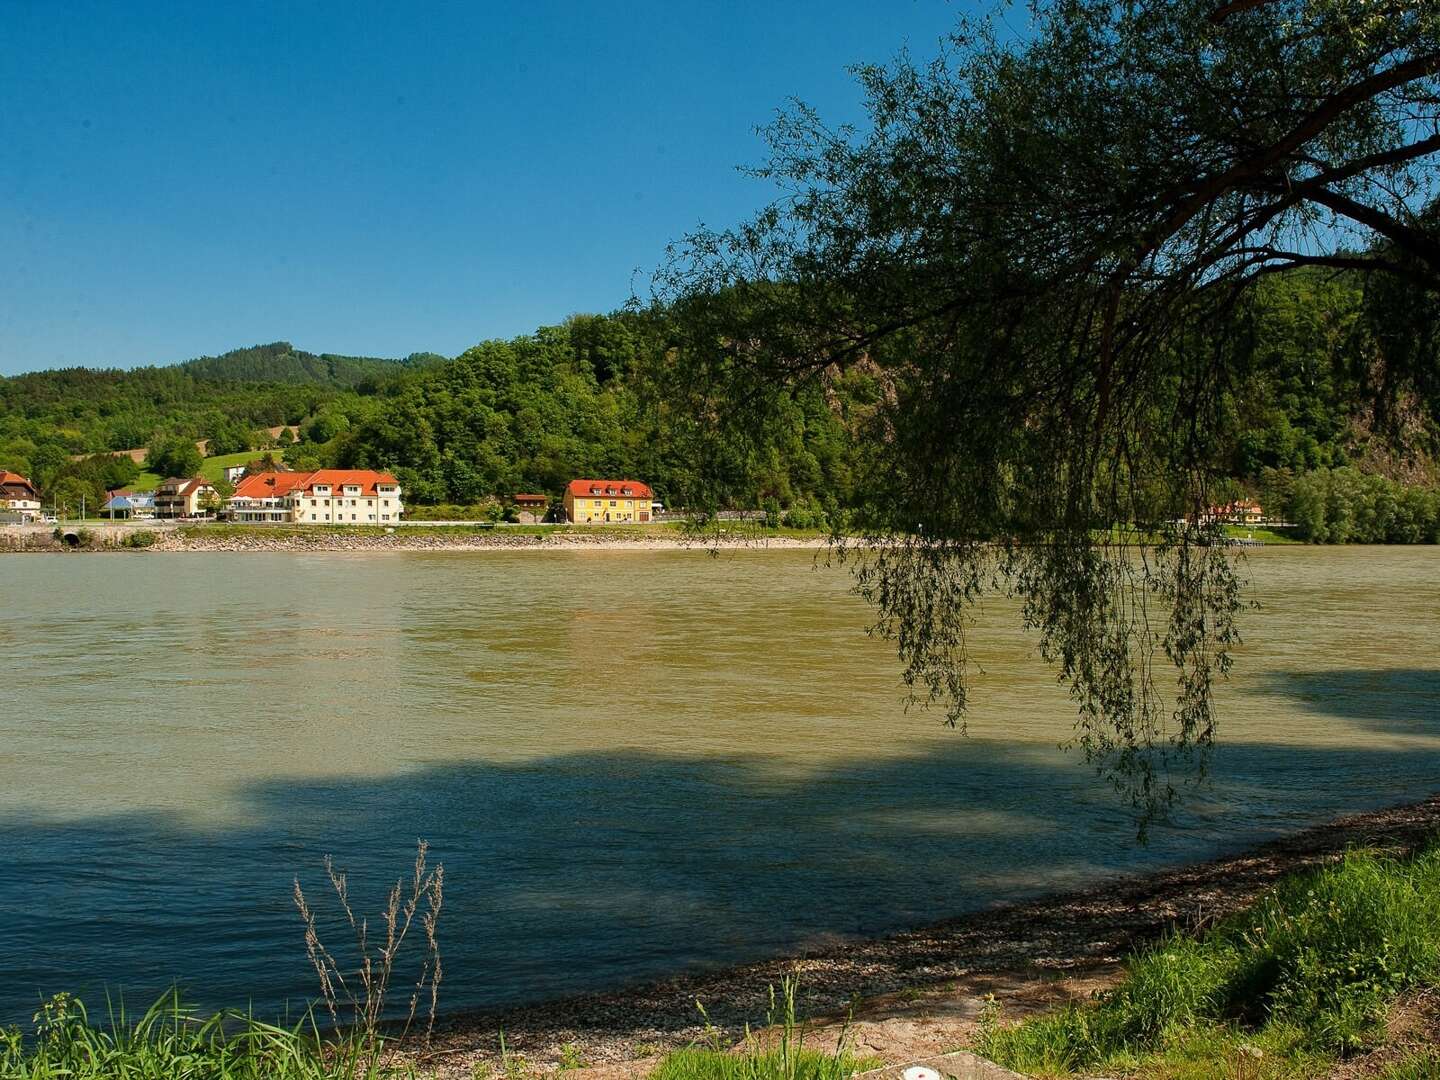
(1317, 955)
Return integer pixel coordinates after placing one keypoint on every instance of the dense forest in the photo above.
(598, 395)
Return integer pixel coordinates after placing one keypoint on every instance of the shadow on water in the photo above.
(583, 871)
(1400, 701)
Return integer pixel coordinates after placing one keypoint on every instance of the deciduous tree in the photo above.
(1044, 248)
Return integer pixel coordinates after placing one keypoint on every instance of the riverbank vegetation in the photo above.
(169, 1041)
(1337, 965)
(1305, 977)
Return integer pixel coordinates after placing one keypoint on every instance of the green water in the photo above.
(631, 763)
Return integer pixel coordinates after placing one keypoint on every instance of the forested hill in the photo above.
(281, 362)
(597, 396)
(47, 416)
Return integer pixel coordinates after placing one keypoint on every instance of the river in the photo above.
(630, 763)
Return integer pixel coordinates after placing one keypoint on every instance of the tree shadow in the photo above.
(1398, 701)
(587, 871)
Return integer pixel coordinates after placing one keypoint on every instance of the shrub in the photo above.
(141, 538)
(1315, 962)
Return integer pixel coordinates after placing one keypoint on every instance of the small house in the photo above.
(19, 502)
(532, 508)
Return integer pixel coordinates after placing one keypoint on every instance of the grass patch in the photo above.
(696, 1063)
(169, 1041)
(1422, 1065)
(1267, 536)
(787, 1059)
(213, 468)
(1306, 974)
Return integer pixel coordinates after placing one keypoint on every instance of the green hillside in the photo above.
(281, 362)
(603, 395)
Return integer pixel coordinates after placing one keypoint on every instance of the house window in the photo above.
(612, 502)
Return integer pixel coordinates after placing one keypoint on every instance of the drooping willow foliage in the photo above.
(1044, 250)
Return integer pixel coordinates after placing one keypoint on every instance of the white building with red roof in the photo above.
(325, 496)
(607, 502)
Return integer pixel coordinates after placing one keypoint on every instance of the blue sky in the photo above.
(181, 179)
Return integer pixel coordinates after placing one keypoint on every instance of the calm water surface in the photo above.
(630, 763)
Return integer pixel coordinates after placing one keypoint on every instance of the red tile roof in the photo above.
(531, 499)
(15, 480)
(590, 489)
(271, 485)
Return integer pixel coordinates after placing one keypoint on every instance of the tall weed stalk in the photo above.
(358, 997)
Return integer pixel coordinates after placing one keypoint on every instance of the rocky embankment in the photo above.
(162, 538)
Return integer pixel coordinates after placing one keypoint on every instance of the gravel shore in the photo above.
(121, 538)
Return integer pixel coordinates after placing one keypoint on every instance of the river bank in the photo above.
(152, 537)
(918, 993)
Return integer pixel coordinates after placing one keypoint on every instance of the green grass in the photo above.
(1421, 1065)
(1306, 974)
(1268, 536)
(696, 1063)
(213, 468)
(786, 1058)
(168, 1041)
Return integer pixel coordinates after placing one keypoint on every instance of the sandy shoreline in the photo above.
(920, 990)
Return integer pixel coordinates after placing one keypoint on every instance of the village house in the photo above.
(19, 502)
(531, 509)
(1240, 512)
(326, 496)
(607, 501)
(183, 496)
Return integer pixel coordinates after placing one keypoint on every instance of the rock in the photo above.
(961, 1065)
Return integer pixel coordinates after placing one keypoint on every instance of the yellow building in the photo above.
(607, 502)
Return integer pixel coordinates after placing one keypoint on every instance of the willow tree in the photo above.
(1043, 247)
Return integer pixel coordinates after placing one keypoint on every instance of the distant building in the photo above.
(19, 502)
(233, 473)
(622, 502)
(532, 508)
(1240, 512)
(128, 505)
(183, 496)
(326, 496)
